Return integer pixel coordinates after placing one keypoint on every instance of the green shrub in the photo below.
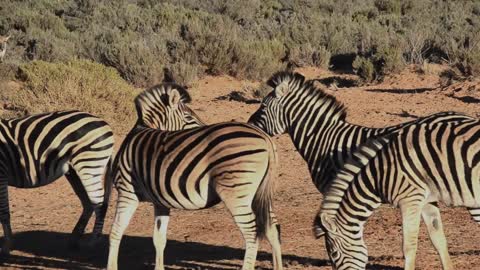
(190, 37)
(81, 85)
(308, 56)
(185, 73)
(139, 60)
(388, 6)
(389, 59)
(364, 68)
(258, 59)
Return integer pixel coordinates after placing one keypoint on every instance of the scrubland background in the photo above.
(389, 61)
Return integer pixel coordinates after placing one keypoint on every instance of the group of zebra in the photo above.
(172, 159)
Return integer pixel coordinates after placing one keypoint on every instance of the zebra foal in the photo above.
(172, 159)
(38, 149)
(413, 170)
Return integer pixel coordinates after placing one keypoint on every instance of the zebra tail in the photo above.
(262, 201)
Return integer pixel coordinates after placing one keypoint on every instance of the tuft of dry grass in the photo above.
(80, 85)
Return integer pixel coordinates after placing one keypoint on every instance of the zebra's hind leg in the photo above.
(127, 203)
(475, 213)
(431, 217)
(89, 176)
(241, 209)
(273, 237)
(5, 219)
(160, 234)
(411, 215)
(87, 211)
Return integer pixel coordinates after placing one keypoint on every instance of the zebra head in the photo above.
(163, 107)
(271, 116)
(345, 248)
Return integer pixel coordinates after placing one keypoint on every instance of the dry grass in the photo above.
(81, 85)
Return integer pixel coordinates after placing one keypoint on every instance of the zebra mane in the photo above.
(358, 160)
(156, 97)
(282, 76)
(297, 83)
(163, 89)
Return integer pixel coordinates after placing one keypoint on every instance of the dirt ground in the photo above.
(43, 218)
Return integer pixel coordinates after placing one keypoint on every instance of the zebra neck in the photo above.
(326, 144)
(351, 207)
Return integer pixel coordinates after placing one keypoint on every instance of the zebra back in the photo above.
(37, 149)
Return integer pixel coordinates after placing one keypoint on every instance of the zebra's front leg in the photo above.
(5, 219)
(431, 217)
(160, 234)
(127, 203)
(411, 215)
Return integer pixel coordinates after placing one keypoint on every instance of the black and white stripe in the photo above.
(37, 150)
(316, 124)
(414, 170)
(171, 159)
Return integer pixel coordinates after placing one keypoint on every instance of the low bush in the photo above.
(249, 39)
(80, 85)
(364, 68)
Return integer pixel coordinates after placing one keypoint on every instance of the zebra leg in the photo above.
(127, 203)
(273, 237)
(90, 178)
(475, 213)
(241, 209)
(411, 215)
(431, 217)
(87, 211)
(5, 219)
(160, 234)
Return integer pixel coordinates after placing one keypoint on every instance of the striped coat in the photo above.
(413, 170)
(38, 149)
(171, 159)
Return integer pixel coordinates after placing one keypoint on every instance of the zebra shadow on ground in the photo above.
(47, 250)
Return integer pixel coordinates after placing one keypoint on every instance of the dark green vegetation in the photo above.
(247, 39)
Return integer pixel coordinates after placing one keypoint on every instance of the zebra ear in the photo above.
(281, 89)
(174, 98)
(328, 222)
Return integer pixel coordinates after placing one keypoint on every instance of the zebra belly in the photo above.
(40, 177)
(178, 200)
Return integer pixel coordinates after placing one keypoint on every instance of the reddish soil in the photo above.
(43, 218)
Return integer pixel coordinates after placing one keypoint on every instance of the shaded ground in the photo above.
(208, 239)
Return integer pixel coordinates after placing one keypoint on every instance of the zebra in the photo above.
(316, 124)
(414, 170)
(38, 149)
(172, 159)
